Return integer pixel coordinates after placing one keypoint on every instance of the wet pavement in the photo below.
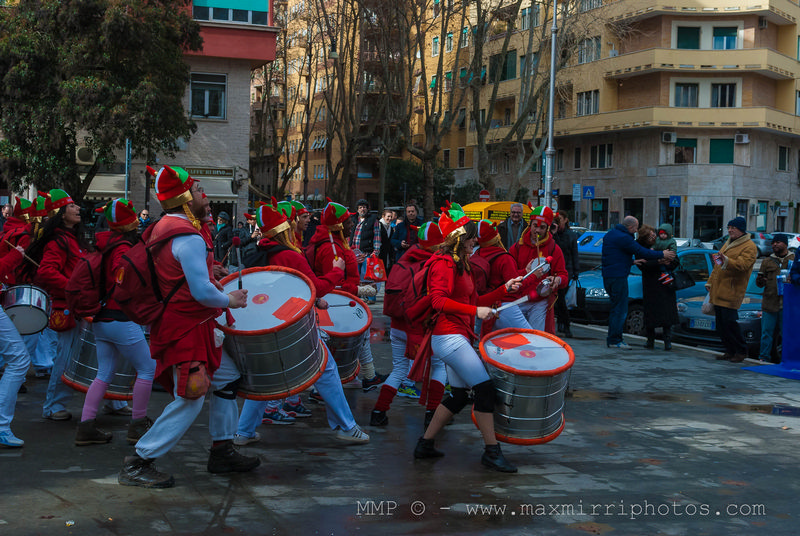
(655, 443)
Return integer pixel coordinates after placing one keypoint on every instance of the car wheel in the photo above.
(634, 324)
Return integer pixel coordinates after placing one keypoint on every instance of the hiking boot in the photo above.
(425, 449)
(137, 428)
(493, 459)
(138, 471)
(89, 434)
(378, 418)
(428, 419)
(124, 411)
(225, 458)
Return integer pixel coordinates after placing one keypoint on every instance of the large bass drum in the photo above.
(81, 369)
(346, 321)
(274, 341)
(530, 370)
(28, 308)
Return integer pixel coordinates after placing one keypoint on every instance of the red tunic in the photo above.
(8, 264)
(185, 332)
(321, 250)
(59, 259)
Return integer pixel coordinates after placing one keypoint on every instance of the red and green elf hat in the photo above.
(39, 206)
(487, 232)
(452, 221)
(541, 215)
(334, 214)
(452, 206)
(120, 214)
(22, 208)
(429, 235)
(173, 185)
(288, 210)
(57, 198)
(300, 208)
(270, 219)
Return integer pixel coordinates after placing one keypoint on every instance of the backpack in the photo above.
(484, 266)
(401, 277)
(418, 310)
(137, 291)
(86, 290)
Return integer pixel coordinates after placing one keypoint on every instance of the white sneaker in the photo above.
(356, 435)
(355, 383)
(620, 346)
(240, 440)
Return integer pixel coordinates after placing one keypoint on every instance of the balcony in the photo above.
(763, 61)
(778, 12)
(665, 116)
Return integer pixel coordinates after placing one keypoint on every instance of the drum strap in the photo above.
(228, 392)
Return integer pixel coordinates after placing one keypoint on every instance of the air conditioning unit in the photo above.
(84, 156)
(741, 138)
(762, 23)
(755, 209)
(669, 137)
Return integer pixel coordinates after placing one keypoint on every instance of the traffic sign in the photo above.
(576, 192)
(675, 201)
(555, 192)
(588, 192)
(484, 195)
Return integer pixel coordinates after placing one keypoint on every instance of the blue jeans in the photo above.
(617, 288)
(770, 327)
(17, 362)
(58, 393)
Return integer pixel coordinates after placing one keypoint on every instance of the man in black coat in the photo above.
(402, 239)
(568, 242)
(512, 228)
(224, 238)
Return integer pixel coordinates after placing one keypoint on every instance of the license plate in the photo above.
(702, 323)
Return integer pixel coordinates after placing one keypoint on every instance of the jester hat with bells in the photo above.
(173, 189)
(271, 220)
(429, 235)
(451, 223)
(333, 216)
(120, 214)
(488, 235)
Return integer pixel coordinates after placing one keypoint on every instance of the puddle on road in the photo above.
(688, 398)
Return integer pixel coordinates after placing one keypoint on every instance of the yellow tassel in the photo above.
(455, 248)
(346, 242)
(195, 222)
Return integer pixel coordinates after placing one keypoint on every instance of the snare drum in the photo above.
(28, 308)
(274, 341)
(348, 328)
(530, 370)
(81, 370)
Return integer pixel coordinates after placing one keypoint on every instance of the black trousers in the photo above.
(729, 331)
(562, 313)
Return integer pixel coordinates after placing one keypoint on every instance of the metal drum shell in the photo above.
(81, 369)
(28, 307)
(279, 361)
(345, 347)
(529, 408)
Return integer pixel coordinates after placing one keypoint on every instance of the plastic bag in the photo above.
(707, 307)
(375, 271)
(572, 294)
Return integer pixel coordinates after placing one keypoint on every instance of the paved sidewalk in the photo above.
(655, 443)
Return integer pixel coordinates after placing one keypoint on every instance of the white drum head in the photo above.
(340, 319)
(527, 352)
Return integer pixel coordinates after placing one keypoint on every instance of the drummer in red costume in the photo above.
(453, 296)
(328, 243)
(277, 248)
(404, 335)
(534, 246)
(190, 361)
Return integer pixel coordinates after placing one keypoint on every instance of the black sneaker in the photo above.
(225, 458)
(137, 471)
(374, 382)
(493, 459)
(378, 418)
(425, 449)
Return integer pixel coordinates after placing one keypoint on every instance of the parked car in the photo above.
(699, 329)
(763, 242)
(590, 249)
(794, 241)
(594, 303)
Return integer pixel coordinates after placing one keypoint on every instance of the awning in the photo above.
(106, 186)
(217, 188)
(256, 190)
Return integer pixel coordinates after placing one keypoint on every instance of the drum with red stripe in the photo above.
(81, 369)
(346, 321)
(530, 370)
(274, 341)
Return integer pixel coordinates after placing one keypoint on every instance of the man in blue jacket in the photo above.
(619, 247)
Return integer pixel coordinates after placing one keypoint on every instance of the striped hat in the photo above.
(334, 214)
(541, 215)
(288, 209)
(487, 232)
(173, 185)
(270, 219)
(429, 235)
(120, 214)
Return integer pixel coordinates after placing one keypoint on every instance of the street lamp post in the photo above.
(550, 152)
(308, 121)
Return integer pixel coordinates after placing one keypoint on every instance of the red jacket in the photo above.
(59, 259)
(321, 251)
(8, 265)
(455, 298)
(292, 259)
(524, 253)
(18, 233)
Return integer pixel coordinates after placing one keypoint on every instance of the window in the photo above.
(686, 95)
(446, 158)
(448, 42)
(462, 157)
(462, 118)
(208, 95)
(576, 162)
(589, 50)
(529, 17)
(462, 77)
(686, 150)
(600, 156)
(465, 37)
(724, 38)
(783, 158)
(588, 102)
(435, 47)
(493, 166)
(688, 37)
(241, 16)
(504, 67)
(797, 103)
(507, 164)
(436, 8)
(697, 265)
(507, 117)
(720, 151)
(560, 160)
(448, 81)
(723, 95)
(587, 5)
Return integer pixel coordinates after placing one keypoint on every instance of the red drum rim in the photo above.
(353, 376)
(294, 390)
(359, 302)
(302, 314)
(83, 389)
(518, 372)
(525, 441)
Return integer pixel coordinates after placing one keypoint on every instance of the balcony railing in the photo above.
(776, 11)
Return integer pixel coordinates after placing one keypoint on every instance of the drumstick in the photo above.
(237, 243)
(333, 245)
(510, 304)
(548, 260)
(351, 303)
(25, 256)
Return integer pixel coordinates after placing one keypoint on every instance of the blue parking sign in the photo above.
(675, 201)
(588, 192)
